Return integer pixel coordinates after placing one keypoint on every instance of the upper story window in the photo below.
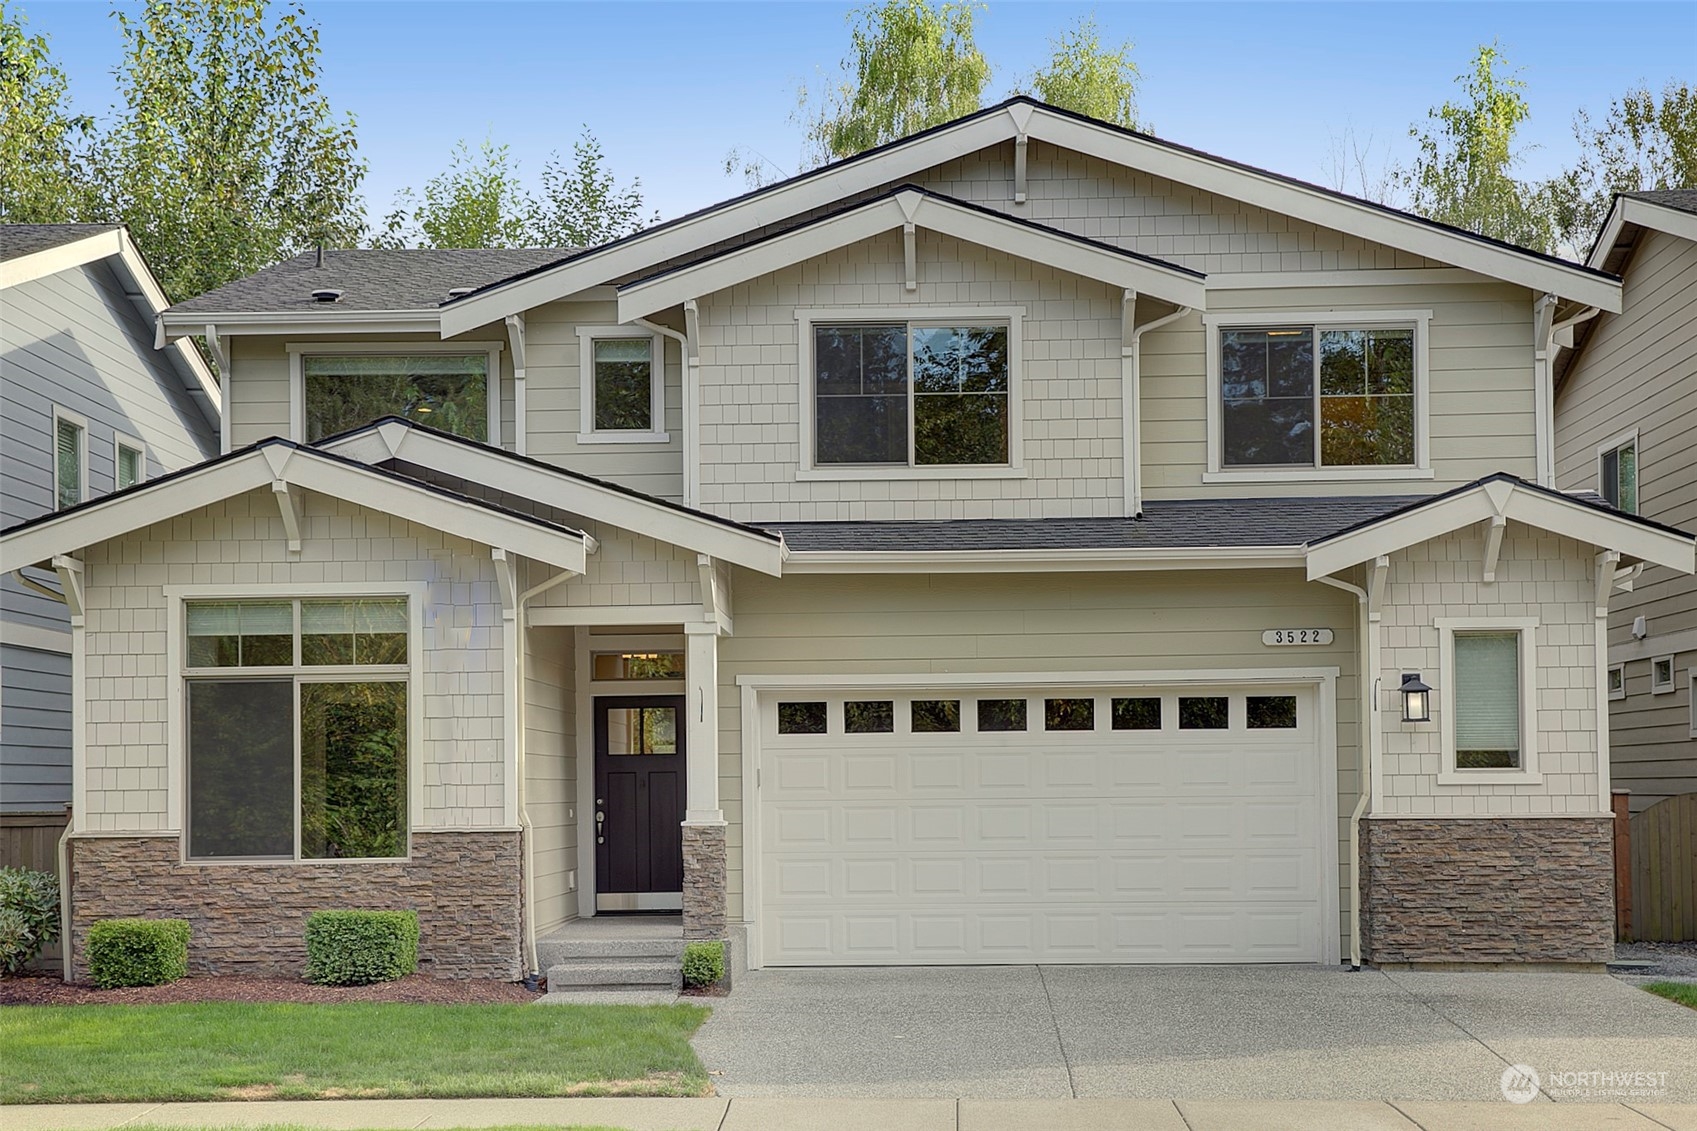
(1617, 472)
(295, 722)
(623, 385)
(70, 459)
(451, 390)
(1306, 396)
(129, 462)
(911, 394)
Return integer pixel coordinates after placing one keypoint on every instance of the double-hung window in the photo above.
(912, 394)
(623, 385)
(295, 722)
(1617, 472)
(70, 459)
(1301, 396)
(451, 391)
(1488, 694)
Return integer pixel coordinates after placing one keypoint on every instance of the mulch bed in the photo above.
(47, 989)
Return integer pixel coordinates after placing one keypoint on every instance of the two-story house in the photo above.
(88, 405)
(1028, 540)
(1626, 401)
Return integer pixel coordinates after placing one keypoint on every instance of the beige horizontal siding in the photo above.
(551, 769)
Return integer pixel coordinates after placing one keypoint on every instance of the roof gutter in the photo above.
(1044, 561)
(181, 324)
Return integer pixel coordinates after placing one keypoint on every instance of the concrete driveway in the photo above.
(1191, 1033)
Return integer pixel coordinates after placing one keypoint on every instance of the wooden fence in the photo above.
(31, 840)
(1664, 871)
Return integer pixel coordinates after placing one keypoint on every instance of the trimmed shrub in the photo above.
(29, 916)
(356, 948)
(704, 963)
(137, 952)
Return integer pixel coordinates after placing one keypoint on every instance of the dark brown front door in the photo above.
(639, 802)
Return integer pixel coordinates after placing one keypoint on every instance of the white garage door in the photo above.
(961, 827)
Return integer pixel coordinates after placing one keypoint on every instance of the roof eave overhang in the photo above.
(628, 511)
(281, 465)
(1543, 510)
(1044, 561)
(183, 324)
(1628, 210)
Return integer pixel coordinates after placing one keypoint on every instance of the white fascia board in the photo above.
(197, 375)
(1009, 237)
(1044, 561)
(51, 261)
(1645, 213)
(728, 221)
(600, 504)
(1611, 232)
(178, 324)
(1540, 511)
(1356, 219)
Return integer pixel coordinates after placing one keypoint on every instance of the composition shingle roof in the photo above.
(1166, 524)
(18, 240)
(1684, 199)
(369, 279)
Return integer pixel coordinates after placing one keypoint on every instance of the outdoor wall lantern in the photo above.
(1416, 699)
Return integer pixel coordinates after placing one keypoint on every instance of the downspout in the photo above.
(526, 832)
(1132, 377)
(1366, 634)
(687, 383)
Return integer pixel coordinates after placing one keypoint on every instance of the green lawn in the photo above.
(227, 1050)
(1683, 992)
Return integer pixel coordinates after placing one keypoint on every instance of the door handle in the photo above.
(600, 823)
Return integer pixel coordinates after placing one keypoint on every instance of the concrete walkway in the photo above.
(865, 1115)
(1190, 1033)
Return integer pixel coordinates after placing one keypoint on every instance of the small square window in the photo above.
(875, 716)
(1137, 714)
(935, 716)
(1617, 474)
(1203, 712)
(1661, 675)
(801, 718)
(1617, 681)
(1069, 714)
(1270, 712)
(997, 715)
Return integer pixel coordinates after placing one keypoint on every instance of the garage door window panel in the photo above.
(1270, 712)
(802, 718)
(1137, 713)
(1001, 715)
(1069, 714)
(876, 716)
(1204, 712)
(935, 716)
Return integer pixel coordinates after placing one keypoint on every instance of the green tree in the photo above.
(1463, 174)
(1087, 77)
(41, 141)
(910, 66)
(1645, 142)
(225, 155)
(582, 204)
(477, 201)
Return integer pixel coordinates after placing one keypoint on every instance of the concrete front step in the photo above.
(552, 951)
(641, 975)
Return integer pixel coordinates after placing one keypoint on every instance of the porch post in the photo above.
(704, 822)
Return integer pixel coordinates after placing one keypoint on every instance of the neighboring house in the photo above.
(88, 405)
(1007, 545)
(1626, 426)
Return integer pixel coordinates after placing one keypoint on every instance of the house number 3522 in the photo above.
(1284, 636)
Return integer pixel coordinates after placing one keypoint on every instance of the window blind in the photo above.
(1487, 691)
(68, 452)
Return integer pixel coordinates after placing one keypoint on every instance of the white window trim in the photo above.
(176, 721)
(120, 441)
(1615, 444)
(1528, 773)
(1014, 316)
(69, 417)
(1613, 670)
(1420, 320)
(1662, 688)
(297, 374)
(587, 433)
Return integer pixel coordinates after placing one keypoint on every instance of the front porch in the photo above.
(614, 953)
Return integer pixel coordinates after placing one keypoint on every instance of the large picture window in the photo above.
(449, 391)
(911, 394)
(1317, 396)
(296, 728)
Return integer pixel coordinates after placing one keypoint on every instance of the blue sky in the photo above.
(671, 87)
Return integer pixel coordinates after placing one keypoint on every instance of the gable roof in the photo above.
(280, 464)
(1585, 518)
(1023, 117)
(921, 208)
(34, 251)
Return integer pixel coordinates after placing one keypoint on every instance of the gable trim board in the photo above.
(141, 288)
(282, 465)
(594, 499)
(1645, 214)
(1016, 119)
(907, 208)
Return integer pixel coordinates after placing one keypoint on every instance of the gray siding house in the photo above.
(1626, 427)
(88, 405)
